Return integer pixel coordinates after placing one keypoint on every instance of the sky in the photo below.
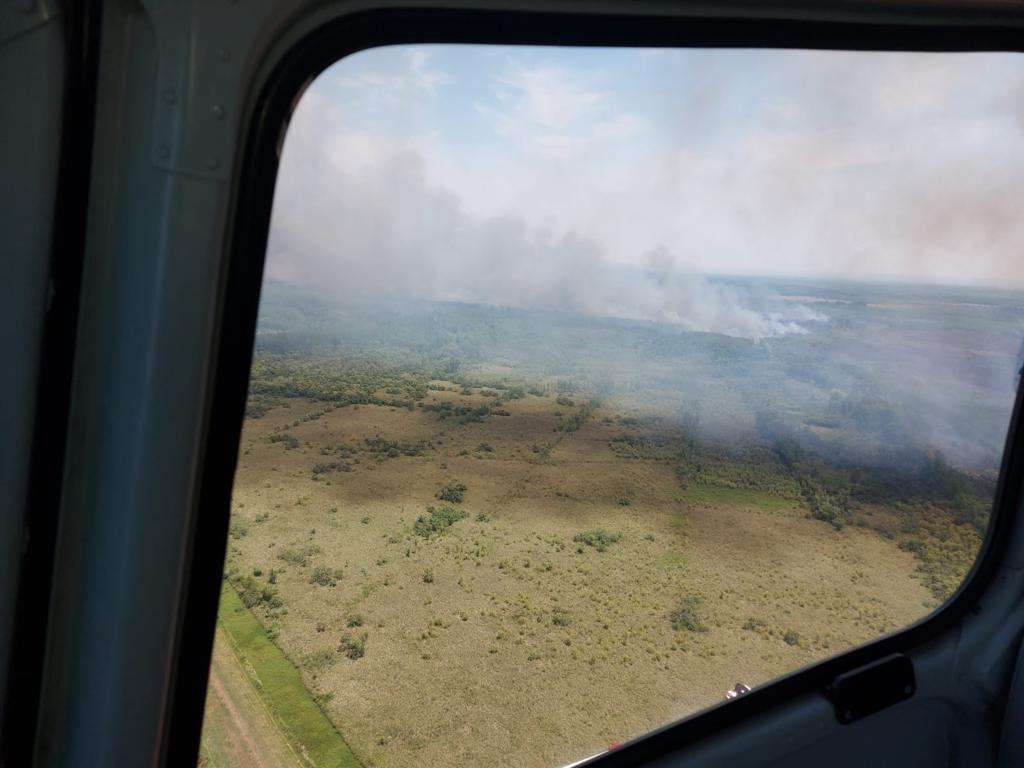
(613, 181)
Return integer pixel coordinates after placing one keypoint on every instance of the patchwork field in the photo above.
(578, 582)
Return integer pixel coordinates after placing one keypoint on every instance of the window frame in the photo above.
(40, 518)
(242, 279)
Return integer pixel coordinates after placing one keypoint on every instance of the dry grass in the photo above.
(522, 650)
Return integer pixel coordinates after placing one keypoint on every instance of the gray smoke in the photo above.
(380, 230)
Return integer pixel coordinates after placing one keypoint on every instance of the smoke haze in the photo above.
(387, 233)
(609, 182)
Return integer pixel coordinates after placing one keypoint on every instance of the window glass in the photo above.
(594, 387)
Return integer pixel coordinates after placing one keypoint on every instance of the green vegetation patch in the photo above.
(686, 616)
(299, 555)
(354, 647)
(252, 593)
(392, 449)
(577, 419)
(330, 466)
(325, 576)
(437, 520)
(280, 686)
(560, 618)
(258, 406)
(825, 506)
(463, 414)
(654, 447)
(290, 442)
(453, 492)
(944, 546)
(599, 538)
(713, 495)
(354, 380)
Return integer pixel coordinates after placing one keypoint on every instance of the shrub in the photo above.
(355, 620)
(824, 506)
(253, 594)
(318, 660)
(323, 576)
(912, 545)
(644, 447)
(299, 555)
(254, 408)
(791, 637)
(290, 443)
(391, 449)
(599, 538)
(685, 615)
(330, 466)
(237, 530)
(453, 492)
(353, 647)
(437, 520)
(560, 618)
(428, 576)
(481, 517)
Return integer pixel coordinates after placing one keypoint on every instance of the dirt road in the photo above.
(238, 730)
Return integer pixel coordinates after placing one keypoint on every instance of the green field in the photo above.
(293, 714)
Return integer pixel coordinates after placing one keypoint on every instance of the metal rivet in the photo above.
(218, 111)
(169, 96)
(224, 54)
(163, 151)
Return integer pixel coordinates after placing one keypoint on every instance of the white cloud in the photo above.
(411, 76)
(552, 111)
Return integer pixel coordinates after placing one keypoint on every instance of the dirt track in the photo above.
(237, 729)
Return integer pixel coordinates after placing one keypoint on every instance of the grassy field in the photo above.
(239, 728)
(578, 582)
(258, 711)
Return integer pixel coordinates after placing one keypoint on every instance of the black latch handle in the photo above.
(868, 689)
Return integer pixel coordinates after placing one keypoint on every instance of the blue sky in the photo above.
(419, 168)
